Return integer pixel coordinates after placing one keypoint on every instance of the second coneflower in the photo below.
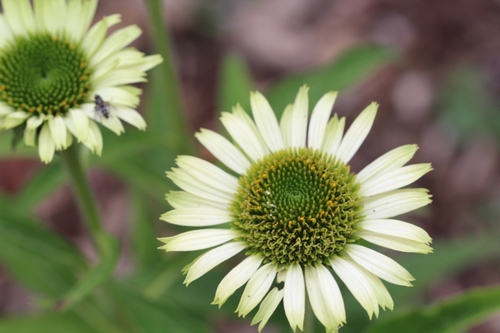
(292, 206)
(54, 68)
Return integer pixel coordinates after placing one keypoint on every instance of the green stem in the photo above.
(83, 193)
(173, 122)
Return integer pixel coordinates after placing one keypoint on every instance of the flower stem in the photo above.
(83, 193)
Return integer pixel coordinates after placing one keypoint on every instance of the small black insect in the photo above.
(101, 107)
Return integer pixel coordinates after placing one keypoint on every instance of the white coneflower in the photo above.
(297, 212)
(53, 69)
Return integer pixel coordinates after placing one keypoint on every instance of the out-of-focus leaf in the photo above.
(148, 316)
(52, 322)
(450, 316)
(110, 251)
(40, 186)
(235, 83)
(349, 69)
(21, 150)
(449, 257)
(466, 105)
(38, 258)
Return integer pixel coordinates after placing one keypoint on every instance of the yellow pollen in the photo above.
(32, 109)
(330, 203)
(83, 64)
(2, 87)
(9, 100)
(55, 38)
(64, 103)
(264, 175)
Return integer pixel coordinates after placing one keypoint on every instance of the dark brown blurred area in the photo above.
(279, 37)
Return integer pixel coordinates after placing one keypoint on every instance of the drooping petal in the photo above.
(333, 135)
(197, 217)
(394, 179)
(58, 131)
(244, 136)
(236, 278)
(379, 264)
(294, 298)
(256, 288)
(357, 284)
(223, 150)
(197, 239)
(80, 123)
(391, 160)
(46, 145)
(210, 173)
(319, 120)
(357, 133)
(267, 307)
(324, 296)
(210, 259)
(285, 125)
(298, 121)
(266, 121)
(394, 203)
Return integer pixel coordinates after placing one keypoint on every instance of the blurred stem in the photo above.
(84, 196)
(173, 118)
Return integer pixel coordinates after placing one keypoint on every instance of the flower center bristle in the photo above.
(43, 74)
(297, 206)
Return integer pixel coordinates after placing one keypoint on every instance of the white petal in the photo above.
(395, 203)
(324, 296)
(256, 288)
(80, 123)
(394, 179)
(394, 243)
(81, 12)
(298, 122)
(119, 96)
(197, 239)
(29, 137)
(379, 264)
(19, 15)
(208, 173)
(198, 187)
(223, 150)
(15, 118)
(94, 138)
(244, 136)
(236, 278)
(267, 307)
(396, 228)
(319, 120)
(116, 41)
(182, 199)
(5, 32)
(34, 122)
(46, 145)
(96, 35)
(197, 217)
(391, 160)
(285, 125)
(210, 259)
(294, 299)
(357, 284)
(58, 131)
(131, 116)
(333, 136)
(357, 133)
(266, 121)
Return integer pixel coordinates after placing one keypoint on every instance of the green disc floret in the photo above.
(297, 206)
(43, 74)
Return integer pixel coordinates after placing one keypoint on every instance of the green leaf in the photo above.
(38, 258)
(149, 316)
(40, 186)
(97, 275)
(51, 322)
(450, 316)
(235, 83)
(349, 69)
(144, 236)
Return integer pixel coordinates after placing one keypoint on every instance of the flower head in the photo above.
(291, 204)
(53, 70)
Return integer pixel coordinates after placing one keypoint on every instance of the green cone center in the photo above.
(297, 206)
(43, 74)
